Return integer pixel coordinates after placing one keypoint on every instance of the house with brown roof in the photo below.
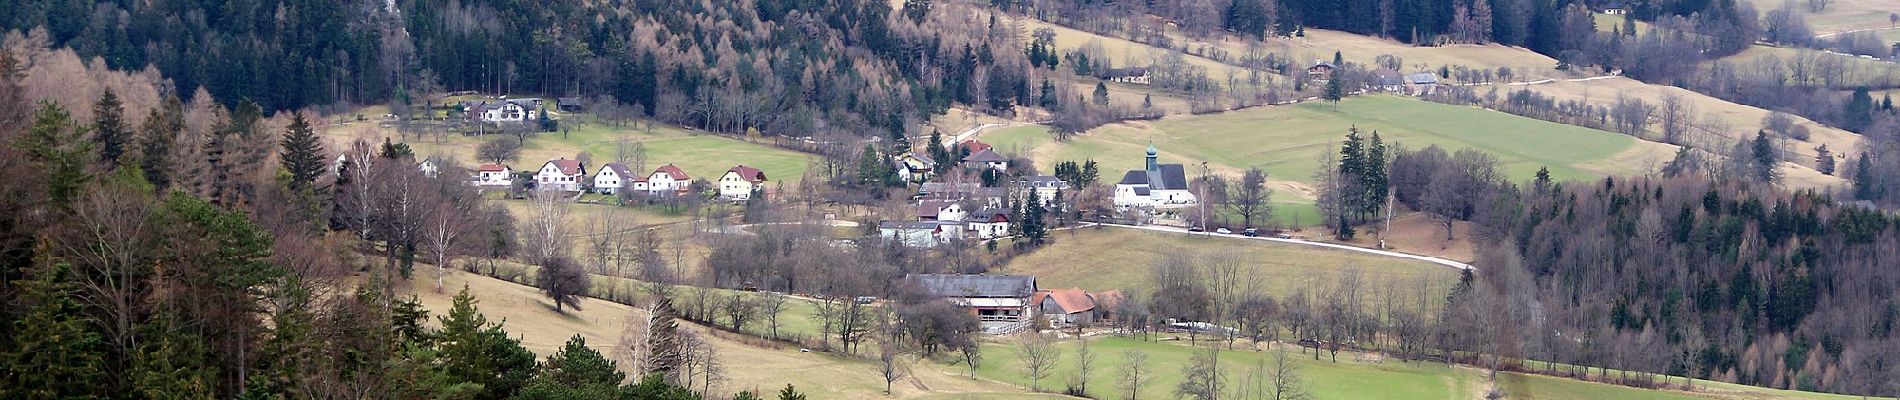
(668, 179)
(739, 182)
(1073, 306)
(496, 174)
(562, 174)
(986, 158)
(1321, 71)
(940, 210)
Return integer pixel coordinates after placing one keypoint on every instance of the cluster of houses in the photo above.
(738, 183)
(1006, 304)
(1383, 80)
(951, 211)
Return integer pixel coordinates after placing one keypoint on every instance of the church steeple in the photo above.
(1152, 164)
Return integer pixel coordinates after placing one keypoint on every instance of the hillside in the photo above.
(702, 155)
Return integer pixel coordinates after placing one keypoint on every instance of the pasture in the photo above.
(702, 155)
(1108, 258)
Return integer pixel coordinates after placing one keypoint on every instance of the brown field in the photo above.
(1842, 15)
(526, 314)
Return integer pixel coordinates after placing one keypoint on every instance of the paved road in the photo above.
(968, 133)
(1184, 231)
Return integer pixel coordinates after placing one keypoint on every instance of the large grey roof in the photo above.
(956, 285)
(1135, 177)
(1172, 177)
(985, 155)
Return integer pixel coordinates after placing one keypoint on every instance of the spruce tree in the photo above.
(1352, 171)
(109, 129)
(937, 152)
(1824, 160)
(1859, 111)
(56, 146)
(869, 164)
(1334, 93)
(475, 351)
(301, 153)
(1373, 176)
(1765, 158)
(1032, 220)
(1101, 94)
(579, 365)
(156, 135)
(54, 352)
(1865, 185)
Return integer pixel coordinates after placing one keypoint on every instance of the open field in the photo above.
(1855, 71)
(528, 315)
(1285, 141)
(1123, 52)
(1742, 121)
(1120, 258)
(1841, 15)
(701, 155)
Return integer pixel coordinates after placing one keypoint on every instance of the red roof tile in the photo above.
(675, 171)
(748, 173)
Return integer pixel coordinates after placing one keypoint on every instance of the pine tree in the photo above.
(1859, 111)
(579, 365)
(57, 146)
(301, 153)
(1824, 160)
(1334, 93)
(1542, 180)
(1865, 185)
(54, 353)
(170, 364)
(1765, 158)
(475, 351)
(1373, 176)
(1101, 94)
(1048, 97)
(109, 129)
(869, 164)
(156, 135)
(1033, 227)
(1352, 172)
(790, 393)
(937, 152)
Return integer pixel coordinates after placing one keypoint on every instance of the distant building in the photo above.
(1321, 71)
(668, 179)
(739, 182)
(1045, 186)
(569, 104)
(615, 177)
(1423, 83)
(1157, 186)
(562, 174)
(512, 110)
(1387, 80)
(1134, 75)
(915, 166)
(940, 210)
(920, 233)
(494, 175)
(988, 223)
(986, 158)
(974, 146)
(999, 302)
(1615, 8)
(982, 196)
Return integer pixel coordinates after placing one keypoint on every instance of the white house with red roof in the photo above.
(495, 174)
(739, 182)
(562, 174)
(668, 179)
(615, 177)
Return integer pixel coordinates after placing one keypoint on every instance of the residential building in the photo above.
(562, 174)
(1321, 71)
(915, 166)
(986, 158)
(1134, 75)
(1064, 307)
(988, 223)
(1157, 186)
(569, 104)
(999, 302)
(1387, 80)
(740, 182)
(668, 179)
(920, 233)
(615, 177)
(940, 210)
(1045, 186)
(1423, 83)
(494, 175)
(511, 110)
(981, 196)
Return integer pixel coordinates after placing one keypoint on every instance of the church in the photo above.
(1157, 186)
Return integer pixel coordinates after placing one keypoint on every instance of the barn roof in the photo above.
(956, 285)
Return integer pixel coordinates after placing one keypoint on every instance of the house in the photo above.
(985, 196)
(429, 167)
(920, 233)
(562, 174)
(1422, 83)
(1387, 80)
(613, 177)
(915, 166)
(1157, 186)
(1615, 9)
(668, 179)
(940, 210)
(1045, 186)
(511, 110)
(739, 182)
(974, 146)
(986, 158)
(494, 175)
(1135, 75)
(988, 223)
(999, 302)
(569, 104)
(1321, 71)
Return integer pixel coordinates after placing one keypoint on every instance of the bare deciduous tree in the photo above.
(1134, 371)
(1039, 355)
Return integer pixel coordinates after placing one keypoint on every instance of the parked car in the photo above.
(1223, 231)
(1251, 232)
(1196, 229)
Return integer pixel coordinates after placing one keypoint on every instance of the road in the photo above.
(968, 133)
(1429, 259)
(1828, 35)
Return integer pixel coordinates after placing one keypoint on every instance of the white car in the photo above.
(1223, 231)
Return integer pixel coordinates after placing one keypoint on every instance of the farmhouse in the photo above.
(920, 233)
(974, 146)
(739, 182)
(1157, 186)
(988, 223)
(1134, 75)
(1000, 302)
(1071, 307)
(1321, 71)
(512, 110)
(1615, 8)
(668, 179)
(914, 166)
(1387, 80)
(494, 175)
(569, 104)
(939, 210)
(613, 177)
(986, 158)
(1422, 83)
(562, 174)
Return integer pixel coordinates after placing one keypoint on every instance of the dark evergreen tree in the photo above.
(1334, 93)
(1859, 111)
(301, 153)
(54, 353)
(476, 351)
(1824, 160)
(58, 149)
(1374, 176)
(1101, 94)
(1866, 182)
(109, 129)
(1765, 159)
(1033, 227)
(579, 365)
(938, 152)
(156, 136)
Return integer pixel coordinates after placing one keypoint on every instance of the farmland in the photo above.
(701, 155)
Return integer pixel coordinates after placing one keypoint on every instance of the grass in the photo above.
(1855, 71)
(1324, 379)
(1841, 15)
(701, 155)
(1286, 141)
(1099, 259)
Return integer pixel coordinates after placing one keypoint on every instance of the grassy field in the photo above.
(701, 155)
(1842, 15)
(1285, 141)
(1119, 258)
(1856, 71)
